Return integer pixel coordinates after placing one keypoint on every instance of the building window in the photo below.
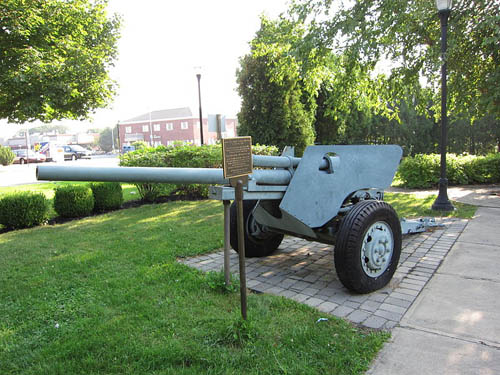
(184, 125)
(128, 129)
(145, 128)
(170, 126)
(156, 127)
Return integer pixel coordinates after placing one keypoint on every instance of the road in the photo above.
(17, 174)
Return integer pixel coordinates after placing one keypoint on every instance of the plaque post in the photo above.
(241, 248)
(227, 229)
(237, 165)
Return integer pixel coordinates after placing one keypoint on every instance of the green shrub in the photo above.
(419, 171)
(148, 157)
(6, 156)
(73, 201)
(207, 156)
(107, 195)
(423, 171)
(484, 169)
(139, 145)
(23, 210)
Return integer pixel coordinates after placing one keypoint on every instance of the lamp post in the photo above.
(150, 131)
(112, 141)
(28, 147)
(198, 75)
(442, 203)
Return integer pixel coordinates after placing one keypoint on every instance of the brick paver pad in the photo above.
(304, 271)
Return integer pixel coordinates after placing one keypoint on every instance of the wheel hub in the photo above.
(256, 230)
(377, 248)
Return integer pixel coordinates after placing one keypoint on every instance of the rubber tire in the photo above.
(73, 157)
(22, 161)
(254, 247)
(347, 255)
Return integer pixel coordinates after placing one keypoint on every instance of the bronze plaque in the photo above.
(237, 156)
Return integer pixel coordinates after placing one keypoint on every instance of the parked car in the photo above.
(73, 152)
(126, 149)
(31, 157)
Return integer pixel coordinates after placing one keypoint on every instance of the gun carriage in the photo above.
(332, 194)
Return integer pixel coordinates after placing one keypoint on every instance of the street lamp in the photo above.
(442, 203)
(150, 130)
(198, 75)
(112, 141)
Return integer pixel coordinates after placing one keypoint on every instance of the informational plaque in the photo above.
(237, 156)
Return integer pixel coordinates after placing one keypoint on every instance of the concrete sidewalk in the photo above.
(453, 327)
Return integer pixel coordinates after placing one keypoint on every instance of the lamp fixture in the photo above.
(443, 5)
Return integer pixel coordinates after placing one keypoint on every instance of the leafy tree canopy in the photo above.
(108, 139)
(405, 34)
(276, 89)
(59, 129)
(54, 58)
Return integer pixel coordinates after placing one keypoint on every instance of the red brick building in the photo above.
(167, 126)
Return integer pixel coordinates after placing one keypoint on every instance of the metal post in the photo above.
(218, 124)
(27, 136)
(150, 131)
(227, 265)
(118, 135)
(442, 203)
(241, 248)
(201, 117)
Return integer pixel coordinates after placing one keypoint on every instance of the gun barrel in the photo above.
(275, 161)
(286, 161)
(211, 176)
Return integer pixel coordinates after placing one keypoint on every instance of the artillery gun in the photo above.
(333, 195)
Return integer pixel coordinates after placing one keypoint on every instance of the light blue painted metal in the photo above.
(314, 196)
(285, 223)
(275, 161)
(168, 175)
(225, 193)
(288, 161)
(418, 225)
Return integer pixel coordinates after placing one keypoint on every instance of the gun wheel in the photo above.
(368, 246)
(258, 241)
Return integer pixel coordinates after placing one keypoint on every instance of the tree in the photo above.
(55, 56)
(106, 140)
(58, 129)
(406, 36)
(347, 101)
(276, 107)
(338, 95)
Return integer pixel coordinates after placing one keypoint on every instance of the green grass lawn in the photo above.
(409, 206)
(105, 295)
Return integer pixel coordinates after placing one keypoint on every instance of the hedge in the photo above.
(107, 195)
(23, 210)
(73, 201)
(423, 171)
(206, 156)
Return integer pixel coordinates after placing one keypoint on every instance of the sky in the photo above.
(164, 43)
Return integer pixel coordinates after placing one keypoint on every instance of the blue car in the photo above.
(126, 149)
